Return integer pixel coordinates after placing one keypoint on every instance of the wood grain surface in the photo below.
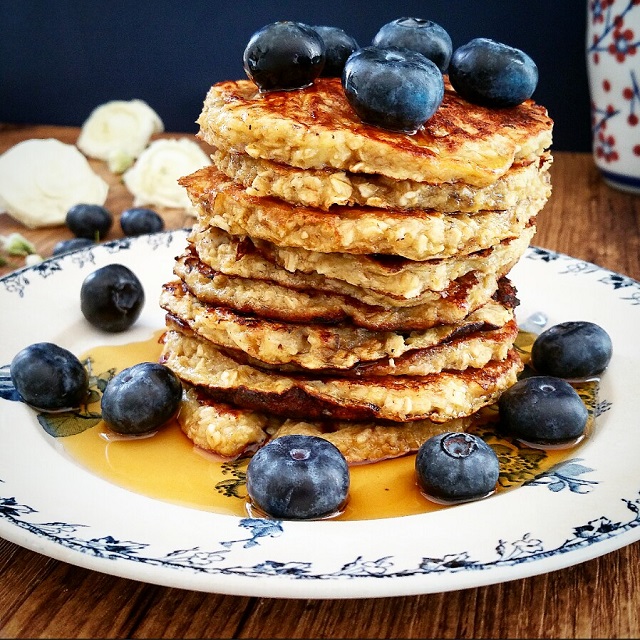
(45, 598)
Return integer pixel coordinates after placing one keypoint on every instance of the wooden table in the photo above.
(40, 597)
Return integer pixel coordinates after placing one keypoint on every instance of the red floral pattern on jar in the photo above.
(615, 37)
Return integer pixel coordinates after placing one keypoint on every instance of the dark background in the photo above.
(59, 59)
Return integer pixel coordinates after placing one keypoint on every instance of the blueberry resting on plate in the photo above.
(112, 298)
(492, 74)
(456, 467)
(543, 410)
(392, 88)
(139, 220)
(424, 36)
(284, 56)
(298, 477)
(89, 221)
(338, 47)
(72, 244)
(140, 399)
(574, 349)
(49, 377)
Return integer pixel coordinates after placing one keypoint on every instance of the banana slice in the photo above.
(41, 179)
(118, 131)
(153, 179)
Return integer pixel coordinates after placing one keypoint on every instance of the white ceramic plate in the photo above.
(587, 507)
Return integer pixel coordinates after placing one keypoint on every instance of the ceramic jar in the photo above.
(613, 64)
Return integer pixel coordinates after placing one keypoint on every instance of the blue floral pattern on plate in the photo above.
(528, 548)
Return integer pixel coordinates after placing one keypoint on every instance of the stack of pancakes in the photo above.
(346, 281)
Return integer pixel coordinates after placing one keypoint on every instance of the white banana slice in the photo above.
(153, 179)
(41, 179)
(118, 131)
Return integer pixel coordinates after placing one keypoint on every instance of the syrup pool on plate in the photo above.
(167, 466)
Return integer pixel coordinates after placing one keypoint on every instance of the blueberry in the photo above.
(575, 349)
(72, 244)
(456, 467)
(136, 221)
(392, 88)
(492, 74)
(111, 298)
(49, 377)
(543, 410)
(298, 477)
(141, 398)
(284, 55)
(423, 36)
(89, 221)
(338, 47)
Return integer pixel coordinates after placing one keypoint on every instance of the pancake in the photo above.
(484, 335)
(439, 397)
(396, 277)
(472, 351)
(219, 427)
(228, 431)
(268, 299)
(324, 188)
(315, 128)
(245, 260)
(414, 234)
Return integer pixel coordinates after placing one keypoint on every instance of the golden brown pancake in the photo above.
(324, 188)
(472, 351)
(484, 335)
(269, 299)
(400, 280)
(246, 261)
(316, 128)
(228, 431)
(439, 397)
(413, 234)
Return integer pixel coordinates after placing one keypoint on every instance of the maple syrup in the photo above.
(167, 466)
